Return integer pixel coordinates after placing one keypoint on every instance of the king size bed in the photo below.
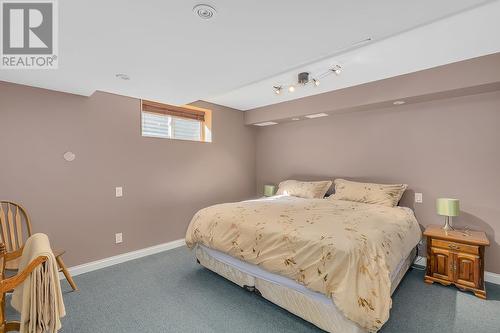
(332, 262)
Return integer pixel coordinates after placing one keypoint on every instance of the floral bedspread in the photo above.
(345, 250)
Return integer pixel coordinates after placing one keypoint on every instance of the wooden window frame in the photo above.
(172, 110)
(187, 112)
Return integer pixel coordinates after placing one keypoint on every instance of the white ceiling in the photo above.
(459, 37)
(174, 57)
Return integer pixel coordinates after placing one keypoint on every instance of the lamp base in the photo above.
(447, 224)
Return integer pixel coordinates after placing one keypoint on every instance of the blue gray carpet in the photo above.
(169, 292)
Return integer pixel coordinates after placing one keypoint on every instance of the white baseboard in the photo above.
(488, 276)
(420, 261)
(118, 259)
(492, 277)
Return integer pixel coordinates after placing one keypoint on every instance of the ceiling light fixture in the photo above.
(303, 79)
(267, 123)
(204, 11)
(316, 115)
(122, 76)
(295, 119)
(398, 102)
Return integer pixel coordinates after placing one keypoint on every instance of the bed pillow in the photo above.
(380, 194)
(308, 190)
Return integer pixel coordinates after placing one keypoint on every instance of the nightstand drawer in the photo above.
(455, 246)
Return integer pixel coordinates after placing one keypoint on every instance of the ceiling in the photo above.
(172, 56)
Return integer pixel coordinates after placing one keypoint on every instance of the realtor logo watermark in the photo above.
(29, 34)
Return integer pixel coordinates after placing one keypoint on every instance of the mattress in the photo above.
(286, 293)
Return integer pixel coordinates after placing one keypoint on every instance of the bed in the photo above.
(334, 263)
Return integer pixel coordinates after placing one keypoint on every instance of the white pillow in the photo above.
(309, 190)
(380, 194)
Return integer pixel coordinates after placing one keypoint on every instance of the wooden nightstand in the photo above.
(454, 257)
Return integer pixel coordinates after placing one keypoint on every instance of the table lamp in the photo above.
(448, 208)
(269, 190)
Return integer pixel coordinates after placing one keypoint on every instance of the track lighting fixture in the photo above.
(303, 79)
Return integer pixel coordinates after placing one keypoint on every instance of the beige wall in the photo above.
(442, 148)
(164, 181)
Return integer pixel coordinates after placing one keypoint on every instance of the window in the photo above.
(173, 122)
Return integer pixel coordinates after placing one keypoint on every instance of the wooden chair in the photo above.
(15, 223)
(7, 285)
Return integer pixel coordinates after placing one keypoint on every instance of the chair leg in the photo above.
(66, 273)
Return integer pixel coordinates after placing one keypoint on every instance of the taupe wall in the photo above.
(164, 181)
(448, 147)
(442, 148)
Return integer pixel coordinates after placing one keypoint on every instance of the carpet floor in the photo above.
(169, 292)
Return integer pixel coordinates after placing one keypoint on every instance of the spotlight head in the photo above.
(277, 89)
(337, 69)
(316, 82)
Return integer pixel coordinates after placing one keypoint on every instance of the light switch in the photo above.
(118, 238)
(418, 197)
(119, 192)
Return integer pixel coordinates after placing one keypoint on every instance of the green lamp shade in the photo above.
(447, 207)
(269, 190)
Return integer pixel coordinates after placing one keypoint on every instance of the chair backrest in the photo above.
(14, 223)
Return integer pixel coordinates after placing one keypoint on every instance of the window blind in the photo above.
(186, 129)
(156, 125)
(165, 126)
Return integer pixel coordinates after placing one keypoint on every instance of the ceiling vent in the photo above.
(205, 12)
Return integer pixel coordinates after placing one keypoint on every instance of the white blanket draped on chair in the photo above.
(39, 298)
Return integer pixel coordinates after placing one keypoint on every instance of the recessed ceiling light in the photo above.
(122, 76)
(291, 88)
(267, 123)
(204, 11)
(295, 119)
(316, 115)
(398, 102)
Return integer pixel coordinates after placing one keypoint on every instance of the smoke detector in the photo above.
(205, 12)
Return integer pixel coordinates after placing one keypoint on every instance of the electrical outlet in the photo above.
(118, 238)
(119, 192)
(418, 197)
